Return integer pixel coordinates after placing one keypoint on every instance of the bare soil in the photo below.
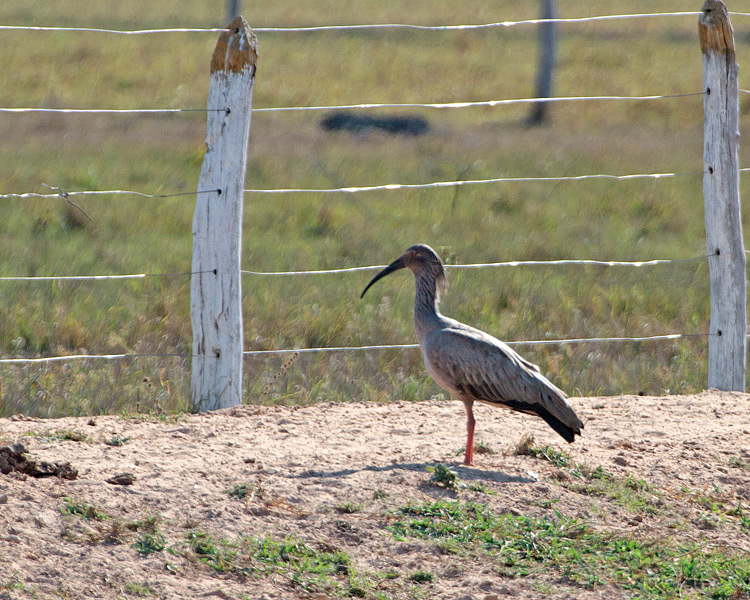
(308, 465)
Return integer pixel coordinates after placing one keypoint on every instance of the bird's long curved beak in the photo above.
(394, 266)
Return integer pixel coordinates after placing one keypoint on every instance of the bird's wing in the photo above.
(484, 368)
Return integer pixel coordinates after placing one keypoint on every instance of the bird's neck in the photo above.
(427, 316)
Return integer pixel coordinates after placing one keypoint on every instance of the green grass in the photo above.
(149, 543)
(348, 508)
(309, 568)
(509, 221)
(73, 506)
(566, 548)
(632, 493)
(140, 589)
(241, 491)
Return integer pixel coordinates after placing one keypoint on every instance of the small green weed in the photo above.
(149, 543)
(634, 494)
(241, 491)
(528, 447)
(116, 440)
(14, 584)
(740, 463)
(68, 435)
(348, 508)
(547, 502)
(139, 589)
(217, 554)
(443, 475)
(479, 448)
(147, 523)
(71, 506)
(422, 577)
(717, 506)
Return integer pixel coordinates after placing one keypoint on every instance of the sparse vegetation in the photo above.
(241, 491)
(634, 494)
(311, 569)
(422, 577)
(443, 475)
(72, 506)
(528, 447)
(116, 440)
(480, 447)
(68, 435)
(140, 589)
(149, 543)
(529, 547)
(348, 508)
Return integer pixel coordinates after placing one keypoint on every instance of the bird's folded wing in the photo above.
(488, 370)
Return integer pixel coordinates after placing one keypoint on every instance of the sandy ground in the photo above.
(303, 463)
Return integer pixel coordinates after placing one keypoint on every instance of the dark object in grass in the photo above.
(358, 123)
(122, 479)
(13, 460)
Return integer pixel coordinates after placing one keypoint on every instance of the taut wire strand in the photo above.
(313, 28)
(669, 336)
(511, 263)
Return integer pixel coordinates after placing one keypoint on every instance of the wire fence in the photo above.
(368, 26)
(366, 105)
(357, 189)
(249, 353)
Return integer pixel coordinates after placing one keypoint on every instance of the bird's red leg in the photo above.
(470, 422)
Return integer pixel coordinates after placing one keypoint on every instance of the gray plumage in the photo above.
(472, 364)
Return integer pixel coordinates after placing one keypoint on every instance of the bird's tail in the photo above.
(559, 415)
(567, 432)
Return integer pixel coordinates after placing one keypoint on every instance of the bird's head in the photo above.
(421, 260)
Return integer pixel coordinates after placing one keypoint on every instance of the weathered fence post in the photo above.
(545, 70)
(233, 9)
(721, 193)
(216, 300)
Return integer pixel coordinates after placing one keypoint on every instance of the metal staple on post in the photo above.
(721, 193)
(216, 297)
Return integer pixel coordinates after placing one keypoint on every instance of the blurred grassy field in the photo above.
(618, 220)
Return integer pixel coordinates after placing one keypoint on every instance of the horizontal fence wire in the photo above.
(122, 111)
(50, 359)
(353, 189)
(438, 184)
(652, 338)
(366, 26)
(99, 277)
(512, 263)
(365, 105)
(65, 194)
(480, 103)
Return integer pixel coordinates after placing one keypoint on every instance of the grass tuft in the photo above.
(89, 512)
(150, 543)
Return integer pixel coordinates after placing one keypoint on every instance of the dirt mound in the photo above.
(336, 500)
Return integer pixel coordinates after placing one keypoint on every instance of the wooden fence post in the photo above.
(216, 299)
(546, 67)
(721, 193)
